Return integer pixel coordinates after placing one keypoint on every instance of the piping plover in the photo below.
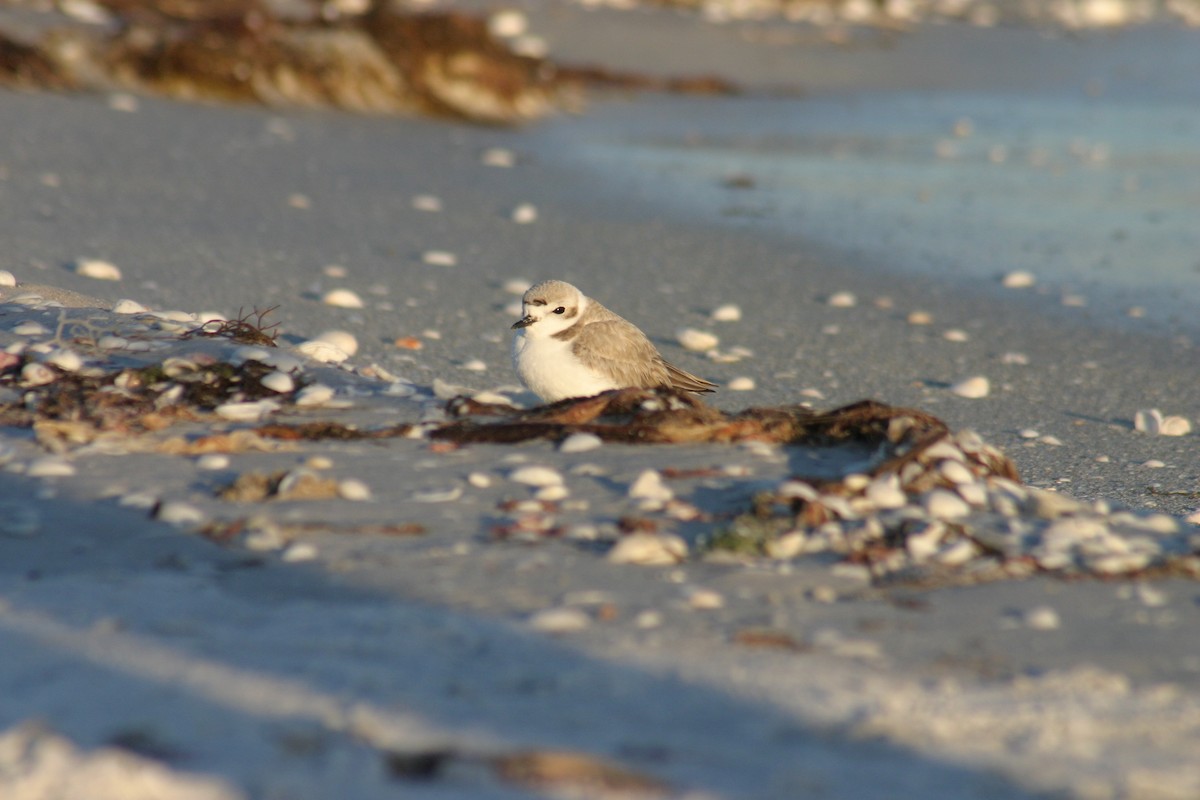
(568, 345)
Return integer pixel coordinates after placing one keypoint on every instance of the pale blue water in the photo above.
(1099, 197)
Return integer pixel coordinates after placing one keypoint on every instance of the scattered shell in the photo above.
(842, 300)
(524, 214)
(127, 306)
(7, 278)
(353, 489)
(279, 382)
(649, 549)
(342, 298)
(536, 476)
(323, 351)
(1018, 279)
(427, 202)
(741, 384)
(705, 599)
(1175, 426)
(97, 270)
(955, 335)
(648, 619)
(920, 318)
(884, 492)
(35, 374)
(342, 340)
(299, 551)
(66, 360)
(30, 328)
(475, 365)
(177, 512)
(580, 443)
(1042, 618)
(439, 258)
(480, 480)
(335, 271)
(508, 24)
(692, 339)
(249, 411)
(140, 499)
(498, 157)
(726, 313)
(787, 546)
(315, 394)
(946, 505)
(649, 486)
(1148, 420)
(560, 620)
(972, 388)
(408, 343)
(49, 467)
(551, 494)
(925, 542)
(1074, 300)
(212, 461)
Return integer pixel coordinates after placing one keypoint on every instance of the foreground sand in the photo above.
(351, 664)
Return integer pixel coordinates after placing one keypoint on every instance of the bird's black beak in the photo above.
(523, 322)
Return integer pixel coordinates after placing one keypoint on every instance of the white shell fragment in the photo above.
(842, 300)
(536, 476)
(37, 375)
(525, 214)
(727, 313)
(649, 549)
(342, 340)
(249, 411)
(439, 258)
(972, 388)
(279, 382)
(50, 467)
(315, 394)
(177, 512)
(98, 270)
(30, 328)
(427, 202)
(498, 157)
(127, 306)
(353, 489)
(580, 443)
(342, 298)
(559, 620)
(66, 360)
(649, 486)
(692, 339)
(7, 278)
(212, 461)
(323, 351)
(1018, 279)
(1042, 618)
(741, 384)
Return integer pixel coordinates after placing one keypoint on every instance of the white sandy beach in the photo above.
(140, 660)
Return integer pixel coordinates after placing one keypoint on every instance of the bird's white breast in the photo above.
(553, 372)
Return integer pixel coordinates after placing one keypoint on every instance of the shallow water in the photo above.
(1098, 196)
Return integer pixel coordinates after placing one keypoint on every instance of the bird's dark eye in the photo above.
(560, 310)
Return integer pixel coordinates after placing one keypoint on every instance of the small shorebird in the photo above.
(568, 345)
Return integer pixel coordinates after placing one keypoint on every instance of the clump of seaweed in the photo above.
(246, 328)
